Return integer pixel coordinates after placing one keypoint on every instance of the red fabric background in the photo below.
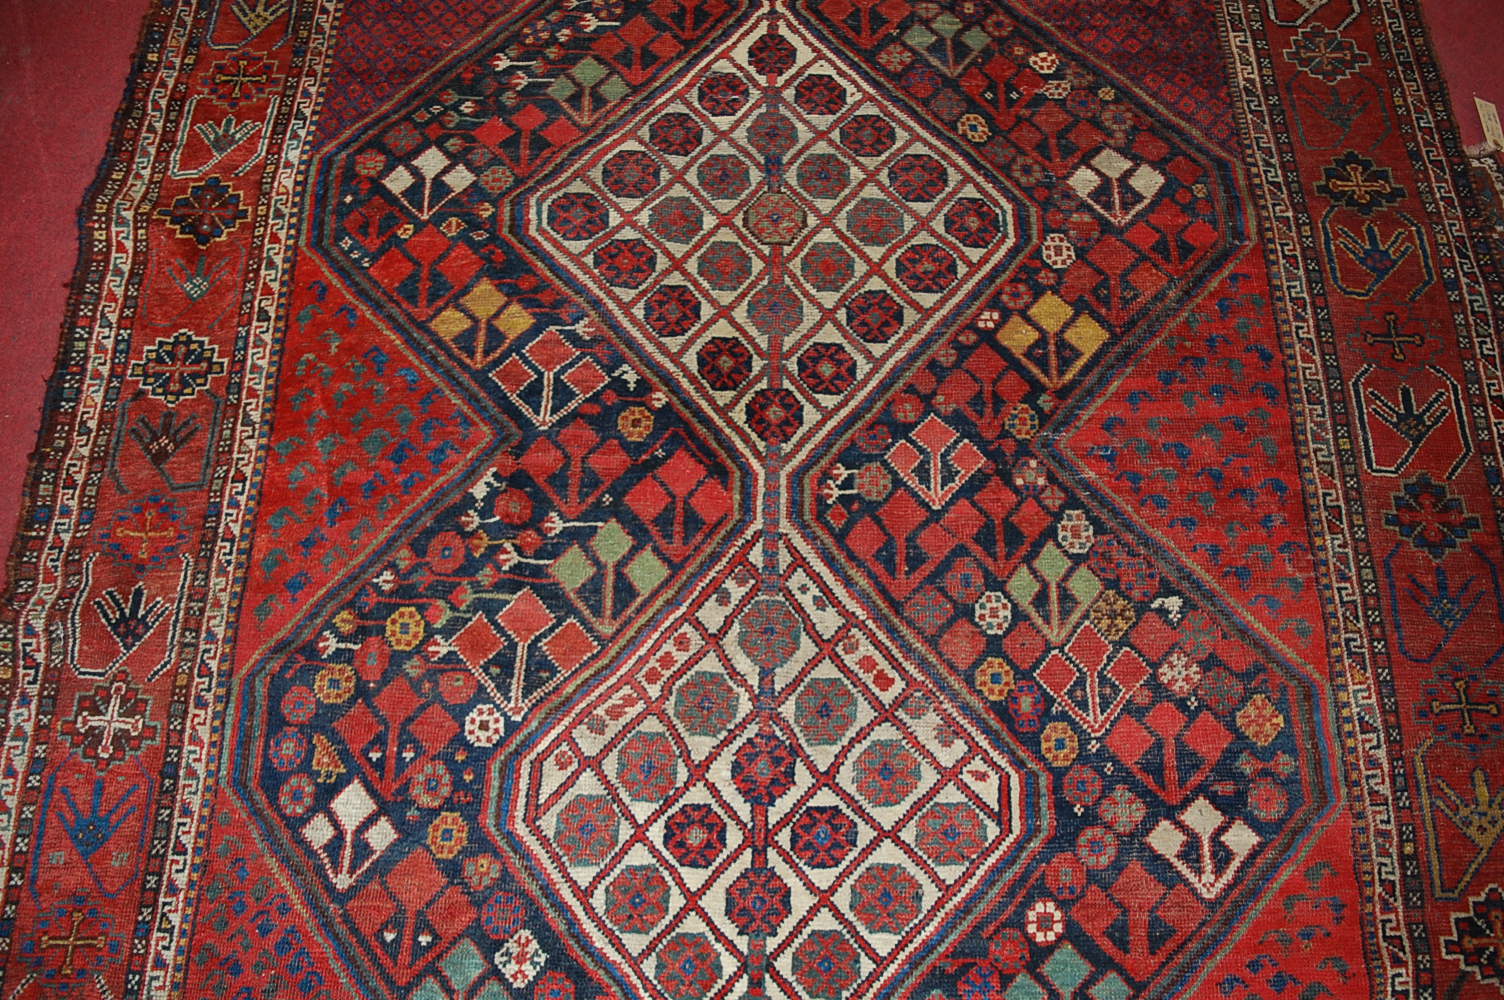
(1469, 39)
(63, 65)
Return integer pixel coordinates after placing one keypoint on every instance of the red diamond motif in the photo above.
(1057, 675)
(525, 617)
(569, 646)
(1088, 648)
(513, 376)
(551, 352)
(477, 642)
(585, 378)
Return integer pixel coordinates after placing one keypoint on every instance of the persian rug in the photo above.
(719, 499)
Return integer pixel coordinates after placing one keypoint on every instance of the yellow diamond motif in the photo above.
(1055, 321)
(1051, 312)
(450, 323)
(484, 300)
(490, 310)
(1085, 335)
(1017, 335)
(512, 322)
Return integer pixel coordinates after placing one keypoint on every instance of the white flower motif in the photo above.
(1044, 922)
(1044, 62)
(520, 959)
(1179, 673)
(1057, 251)
(994, 613)
(1075, 533)
(484, 725)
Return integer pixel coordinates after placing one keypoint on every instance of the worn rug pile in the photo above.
(721, 499)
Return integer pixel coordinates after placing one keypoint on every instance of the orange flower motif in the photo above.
(635, 423)
(1260, 720)
(404, 628)
(995, 678)
(1058, 744)
(447, 835)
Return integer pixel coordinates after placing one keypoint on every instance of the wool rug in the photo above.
(719, 499)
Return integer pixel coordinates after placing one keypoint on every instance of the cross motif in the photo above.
(146, 534)
(1392, 338)
(111, 721)
(1357, 184)
(73, 942)
(1464, 707)
(177, 366)
(241, 80)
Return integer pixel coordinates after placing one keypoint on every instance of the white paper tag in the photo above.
(1488, 111)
